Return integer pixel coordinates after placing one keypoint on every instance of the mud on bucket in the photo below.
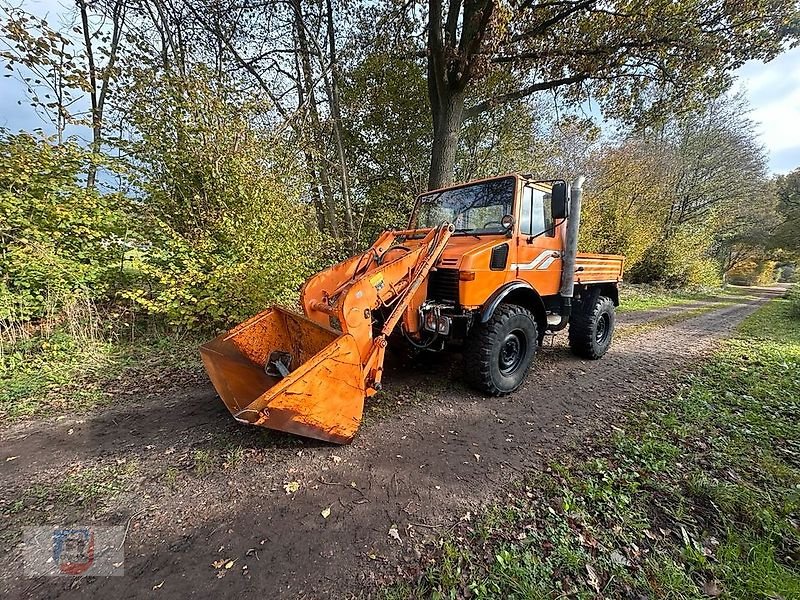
(283, 371)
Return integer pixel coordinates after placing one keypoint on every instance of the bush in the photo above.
(224, 230)
(57, 239)
(794, 300)
(754, 272)
(681, 260)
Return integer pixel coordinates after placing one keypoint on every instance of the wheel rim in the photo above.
(512, 352)
(603, 329)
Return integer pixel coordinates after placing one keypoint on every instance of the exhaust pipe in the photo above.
(570, 253)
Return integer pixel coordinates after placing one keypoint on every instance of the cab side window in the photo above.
(535, 214)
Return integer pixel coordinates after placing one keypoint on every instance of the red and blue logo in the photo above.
(73, 550)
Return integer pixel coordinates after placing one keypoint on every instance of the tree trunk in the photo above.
(96, 131)
(332, 87)
(447, 116)
(98, 93)
(316, 151)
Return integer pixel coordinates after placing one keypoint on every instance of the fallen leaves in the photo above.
(326, 512)
(394, 534)
(291, 487)
(593, 579)
(224, 562)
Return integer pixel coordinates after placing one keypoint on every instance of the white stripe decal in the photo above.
(547, 263)
(533, 264)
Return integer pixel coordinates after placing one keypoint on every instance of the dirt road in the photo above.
(204, 489)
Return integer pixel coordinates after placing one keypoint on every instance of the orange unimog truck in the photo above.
(491, 266)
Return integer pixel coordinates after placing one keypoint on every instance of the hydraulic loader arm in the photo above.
(309, 374)
(387, 276)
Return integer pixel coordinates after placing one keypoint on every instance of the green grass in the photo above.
(693, 496)
(666, 320)
(635, 298)
(646, 297)
(89, 487)
(57, 373)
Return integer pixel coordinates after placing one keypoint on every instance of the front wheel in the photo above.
(591, 328)
(498, 353)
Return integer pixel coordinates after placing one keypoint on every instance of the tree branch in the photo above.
(477, 109)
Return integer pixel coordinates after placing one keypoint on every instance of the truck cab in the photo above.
(507, 253)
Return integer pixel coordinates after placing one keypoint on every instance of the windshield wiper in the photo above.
(467, 231)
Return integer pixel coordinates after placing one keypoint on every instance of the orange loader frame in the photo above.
(309, 374)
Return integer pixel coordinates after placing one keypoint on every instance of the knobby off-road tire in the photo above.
(591, 328)
(498, 354)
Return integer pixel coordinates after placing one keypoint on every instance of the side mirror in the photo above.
(508, 223)
(559, 203)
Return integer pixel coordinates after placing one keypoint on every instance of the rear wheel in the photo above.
(498, 353)
(591, 328)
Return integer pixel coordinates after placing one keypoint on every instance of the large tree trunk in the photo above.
(447, 116)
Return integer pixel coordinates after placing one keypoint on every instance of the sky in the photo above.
(772, 89)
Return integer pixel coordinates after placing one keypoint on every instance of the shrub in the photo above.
(794, 300)
(682, 260)
(224, 229)
(754, 272)
(57, 239)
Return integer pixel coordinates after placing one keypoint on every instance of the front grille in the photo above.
(443, 285)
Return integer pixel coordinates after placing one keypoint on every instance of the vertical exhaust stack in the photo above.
(570, 253)
(571, 239)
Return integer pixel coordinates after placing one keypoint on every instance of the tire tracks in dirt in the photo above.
(419, 469)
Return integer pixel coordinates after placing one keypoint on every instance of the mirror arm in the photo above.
(550, 229)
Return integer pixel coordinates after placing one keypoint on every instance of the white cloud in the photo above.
(773, 90)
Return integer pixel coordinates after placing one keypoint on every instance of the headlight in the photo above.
(443, 325)
(437, 323)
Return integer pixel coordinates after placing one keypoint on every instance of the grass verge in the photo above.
(635, 298)
(79, 494)
(627, 331)
(52, 374)
(693, 496)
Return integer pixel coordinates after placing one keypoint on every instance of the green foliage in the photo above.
(45, 374)
(690, 497)
(224, 230)
(787, 234)
(625, 206)
(754, 272)
(76, 367)
(387, 128)
(682, 260)
(57, 239)
(793, 297)
(794, 300)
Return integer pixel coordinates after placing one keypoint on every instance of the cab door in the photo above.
(539, 242)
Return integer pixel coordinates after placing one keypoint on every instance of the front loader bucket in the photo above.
(283, 371)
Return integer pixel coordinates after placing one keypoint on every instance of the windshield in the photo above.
(476, 208)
